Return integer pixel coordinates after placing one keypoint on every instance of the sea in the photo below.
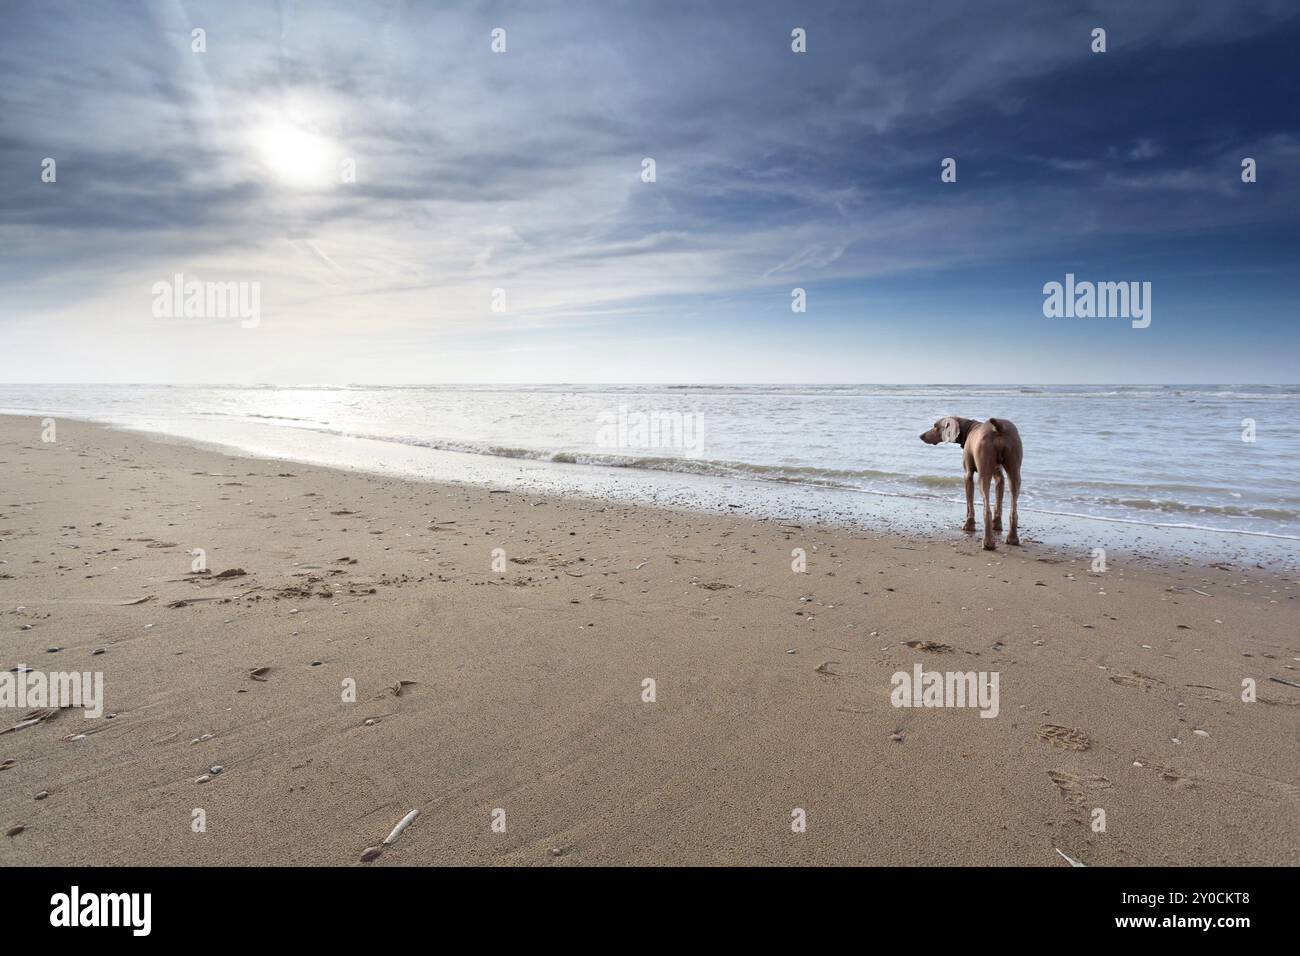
(1200, 470)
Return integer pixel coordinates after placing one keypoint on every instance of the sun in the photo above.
(295, 156)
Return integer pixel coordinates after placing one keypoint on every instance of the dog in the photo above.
(988, 448)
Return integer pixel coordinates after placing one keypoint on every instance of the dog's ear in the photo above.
(949, 429)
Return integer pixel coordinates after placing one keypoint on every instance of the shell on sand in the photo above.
(401, 826)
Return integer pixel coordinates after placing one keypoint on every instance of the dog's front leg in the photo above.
(969, 527)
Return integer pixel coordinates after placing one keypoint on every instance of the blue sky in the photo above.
(521, 171)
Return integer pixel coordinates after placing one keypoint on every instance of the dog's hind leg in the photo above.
(1014, 474)
(990, 543)
(969, 526)
(1001, 482)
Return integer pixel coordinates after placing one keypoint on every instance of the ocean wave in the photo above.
(1076, 493)
(940, 481)
(1180, 526)
(799, 474)
(1184, 507)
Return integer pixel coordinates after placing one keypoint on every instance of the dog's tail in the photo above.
(997, 425)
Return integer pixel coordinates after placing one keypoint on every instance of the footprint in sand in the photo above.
(1077, 788)
(1134, 680)
(1070, 738)
(933, 646)
(1174, 778)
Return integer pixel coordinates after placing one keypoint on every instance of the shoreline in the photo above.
(865, 510)
(773, 686)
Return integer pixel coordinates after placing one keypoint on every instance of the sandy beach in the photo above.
(1119, 691)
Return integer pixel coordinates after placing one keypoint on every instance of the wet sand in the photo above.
(772, 688)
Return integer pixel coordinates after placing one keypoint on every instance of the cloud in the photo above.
(521, 170)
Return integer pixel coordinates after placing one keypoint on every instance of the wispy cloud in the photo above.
(522, 171)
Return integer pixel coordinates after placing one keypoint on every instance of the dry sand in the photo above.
(527, 692)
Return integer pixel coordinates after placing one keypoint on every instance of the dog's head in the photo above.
(945, 429)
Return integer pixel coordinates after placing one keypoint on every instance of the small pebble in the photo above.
(42, 795)
(15, 830)
(896, 737)
(97, 651)
(215, 769)
(1201, 733)
(202, 779)
(371, 853)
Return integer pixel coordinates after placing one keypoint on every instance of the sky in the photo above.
(412, 206)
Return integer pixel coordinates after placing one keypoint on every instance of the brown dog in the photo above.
(987, 448)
